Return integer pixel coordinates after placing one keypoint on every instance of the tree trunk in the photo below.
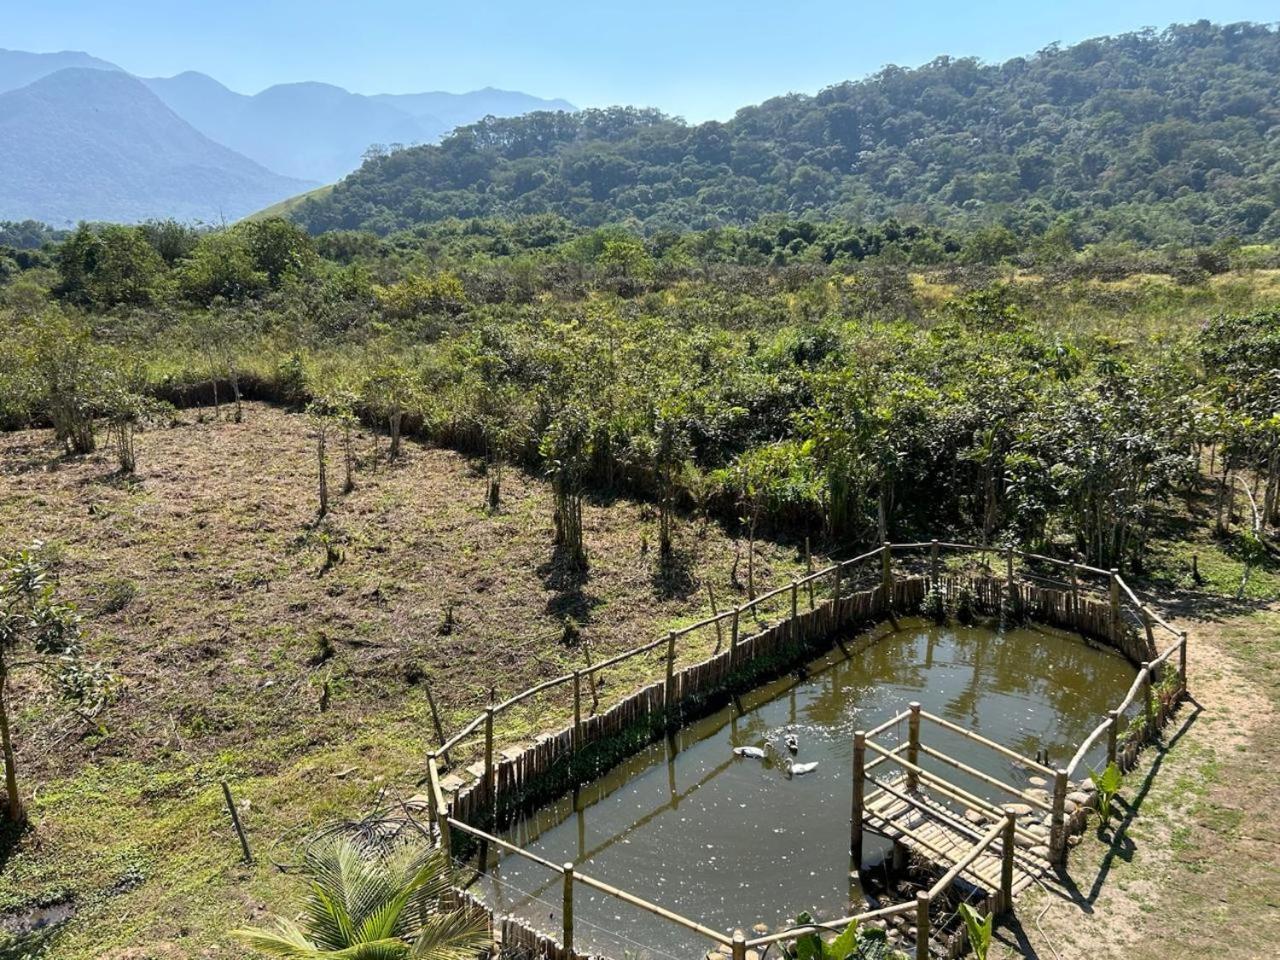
(235, 387)
(394, 422)
(14, 804)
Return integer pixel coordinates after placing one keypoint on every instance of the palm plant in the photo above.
(367, 905)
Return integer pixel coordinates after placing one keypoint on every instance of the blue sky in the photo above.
(699, 60)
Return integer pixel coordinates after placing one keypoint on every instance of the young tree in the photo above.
(38, 633)
(67, 362)
(126, 407)
(566, 450)
(389, 392)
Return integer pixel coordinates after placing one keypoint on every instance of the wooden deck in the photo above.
(936, 834)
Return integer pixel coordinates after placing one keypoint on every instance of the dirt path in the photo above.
(1192, 867)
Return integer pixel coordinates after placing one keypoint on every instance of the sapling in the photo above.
(1107, 783)
(979, 928)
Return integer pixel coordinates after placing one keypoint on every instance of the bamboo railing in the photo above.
(1070, 600)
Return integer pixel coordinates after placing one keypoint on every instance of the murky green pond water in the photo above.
(733, 841)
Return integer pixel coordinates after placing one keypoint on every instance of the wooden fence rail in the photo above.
(509, 785)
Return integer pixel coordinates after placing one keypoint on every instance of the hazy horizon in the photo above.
(699, 64)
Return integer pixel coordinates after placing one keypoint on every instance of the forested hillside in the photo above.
(1151, 136)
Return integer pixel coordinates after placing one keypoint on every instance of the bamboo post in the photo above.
(591, 678)
(1008, 845)
(913, 745)
(733, 637)
(1147, 708)
(1057, 824)
(711, 595)
(933, 564)
(922, 925)
(1075, 591)
(438, 807)
(795, 589)
(577, 710)
(808, 567)
(836, 593)
(886, 570)
(1182, 663)
(491, 793)
(669, 691)
(435, 721)
(235, 822)
(1113, 733)
(859, 780)
(739, 945)
(1149, 625)
(567, 909)
(1115, 604)
(1008, 566)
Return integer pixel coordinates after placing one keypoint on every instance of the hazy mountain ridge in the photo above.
(1150, 136)
(286, 139)
(94, 144)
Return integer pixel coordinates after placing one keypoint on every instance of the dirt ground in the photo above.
(1192, 866)
(241, 656)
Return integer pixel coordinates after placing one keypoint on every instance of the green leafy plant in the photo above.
(1107, 783)
(364, 904)
(965, 606)
(934, 606)
(855, 943)
(979, 928)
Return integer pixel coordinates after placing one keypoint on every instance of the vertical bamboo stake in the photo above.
(836, 594)
(795, 588)
(1008, 566)
(739, 945)
(1182, 662)
(922, 925)
(886, 569)
(669, 691)
(711, 595)
(808, 566)
(1075, 591)
(435, 721)
(859, 778)
(1149, 625)
(491, 794)
(1147, 708)
(567, 909)
(733, 637)
(1113, 733)
(1115, 605)
(913, 745)
(1057, 825)
(438, 806)
(1008, 845)
(235, 822)
(933, 564)
(577, 710)
(591, 678)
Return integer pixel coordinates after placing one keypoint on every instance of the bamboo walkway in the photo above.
(934, 833)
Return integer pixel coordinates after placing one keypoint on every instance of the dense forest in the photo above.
(1058, 406)
(1151, 136)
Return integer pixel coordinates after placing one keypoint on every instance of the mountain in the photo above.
(317, 131)
(1170, 136)
(457, 109)
(19, 68)
(314, 131)
(94, 144)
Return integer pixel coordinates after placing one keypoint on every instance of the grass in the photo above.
(203, 584)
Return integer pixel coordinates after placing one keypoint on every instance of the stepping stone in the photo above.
(1038, 781)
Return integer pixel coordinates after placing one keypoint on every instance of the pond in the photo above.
(733, 841)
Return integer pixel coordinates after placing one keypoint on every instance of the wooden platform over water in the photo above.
(936, 834)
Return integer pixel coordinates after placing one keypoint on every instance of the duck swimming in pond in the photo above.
(800, 769)
(754, 753)
(792, 742)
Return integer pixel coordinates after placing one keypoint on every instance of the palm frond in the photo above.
(286, 940)
(456, 935)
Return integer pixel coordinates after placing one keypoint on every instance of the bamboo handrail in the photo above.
(978, 738)
(653, 908)
(948, 789)
(879, 760)
(462, 734)
(876, 731)
(976, 851)
(828, 925)
(929, 844)
(985, 777)
(1089, 741)
(503, 844)
(526, 694)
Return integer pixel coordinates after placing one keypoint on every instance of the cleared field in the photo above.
(204, 587)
